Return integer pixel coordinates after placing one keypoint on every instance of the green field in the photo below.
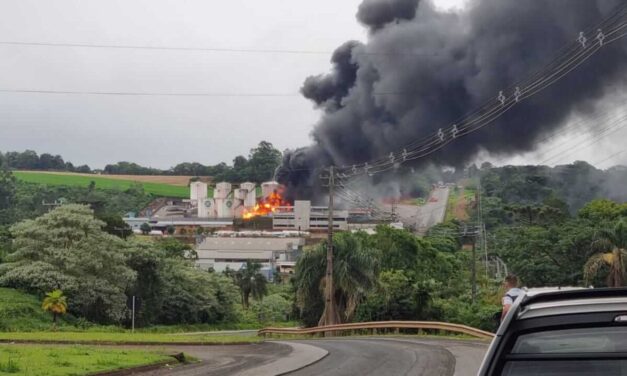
(102, 182)
(71, 360)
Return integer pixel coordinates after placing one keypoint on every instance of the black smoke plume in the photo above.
(421, 69)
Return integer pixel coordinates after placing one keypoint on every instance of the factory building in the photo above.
(228, 203)
(304, 217)
(276, 255)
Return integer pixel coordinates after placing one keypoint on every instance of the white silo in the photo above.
(269, 187)
(197, 192)
(224, 208)
(251, 194)
(222, 190)
(206, 208)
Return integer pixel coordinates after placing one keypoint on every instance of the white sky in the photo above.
(163, 131)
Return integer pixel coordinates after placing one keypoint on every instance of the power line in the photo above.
(149, 94)
(610, 157)
(443, 137)
(615, 126)
(211, 49)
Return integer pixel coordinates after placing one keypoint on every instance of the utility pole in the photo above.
(473, 268)
(133, 319)
(329, 316)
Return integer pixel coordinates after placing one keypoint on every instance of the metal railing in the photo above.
(397, 325)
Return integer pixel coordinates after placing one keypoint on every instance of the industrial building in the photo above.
(228, 203)
(276, 255)
(304, 217)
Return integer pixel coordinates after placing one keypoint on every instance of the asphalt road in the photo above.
(224, 360)
(358, 356)
(396, 357)
(428, 215)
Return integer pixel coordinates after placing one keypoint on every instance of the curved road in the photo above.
(393, 356)
(357, 356)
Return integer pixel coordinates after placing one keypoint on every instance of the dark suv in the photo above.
(563, 332)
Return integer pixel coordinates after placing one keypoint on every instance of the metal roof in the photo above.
(249, 244)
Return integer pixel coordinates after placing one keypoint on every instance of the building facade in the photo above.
(220, 253)
(304, 217)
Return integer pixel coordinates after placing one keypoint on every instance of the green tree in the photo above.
(355, 271)
(145, 228)
(251, 282)
(263, 161)
(56, 303)
(611, 248)
(603, 210)
(66, 249)
(7, 195)
(273, 308)
(115, 225)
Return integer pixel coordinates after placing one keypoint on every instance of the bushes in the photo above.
(67, 249)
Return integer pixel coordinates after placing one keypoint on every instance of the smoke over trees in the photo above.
(421, 69)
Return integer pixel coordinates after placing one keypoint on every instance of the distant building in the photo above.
(274, 254)
(304, 217)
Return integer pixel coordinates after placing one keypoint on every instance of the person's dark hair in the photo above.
(512, 280)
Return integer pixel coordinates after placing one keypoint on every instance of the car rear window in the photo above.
(569, 352)
(601, 367)
(581, 340)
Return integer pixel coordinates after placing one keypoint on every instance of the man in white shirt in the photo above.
(511, 286)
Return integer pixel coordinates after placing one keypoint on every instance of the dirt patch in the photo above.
(460, 210)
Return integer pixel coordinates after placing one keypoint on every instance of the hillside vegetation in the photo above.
(102, 182)
(21, 312)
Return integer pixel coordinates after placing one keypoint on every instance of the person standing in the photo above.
(512, 292)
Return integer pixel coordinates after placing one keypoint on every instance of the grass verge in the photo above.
(126, 338)
(72, 360)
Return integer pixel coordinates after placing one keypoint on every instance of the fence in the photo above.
(374, 326)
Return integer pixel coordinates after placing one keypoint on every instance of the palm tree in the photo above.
(251, 282)
(611, 247)
(56, 303)
(355, 269)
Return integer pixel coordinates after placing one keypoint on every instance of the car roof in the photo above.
(551, 302)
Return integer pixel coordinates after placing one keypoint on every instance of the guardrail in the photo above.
(420, 325)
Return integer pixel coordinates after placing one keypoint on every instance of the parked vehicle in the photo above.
(562, 332)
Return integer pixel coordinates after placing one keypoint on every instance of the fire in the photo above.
(266, 206)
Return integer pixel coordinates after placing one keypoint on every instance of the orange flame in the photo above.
(266, 206)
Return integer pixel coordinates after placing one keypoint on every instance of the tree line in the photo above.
(550, 225)
(258, 166)
(30, 160)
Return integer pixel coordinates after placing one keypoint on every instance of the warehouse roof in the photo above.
(249, 244)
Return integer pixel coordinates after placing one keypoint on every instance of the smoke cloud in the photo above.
(421, 69)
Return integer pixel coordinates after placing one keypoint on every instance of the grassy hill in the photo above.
(21, 312)
(102, 181)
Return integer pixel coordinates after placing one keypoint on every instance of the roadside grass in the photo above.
(71, 360)
(127, 338)
(453, 200)
(22, 312)
(453, 197)
(102, 182)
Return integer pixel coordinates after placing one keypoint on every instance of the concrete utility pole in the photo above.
(329, 316)
(473, 269)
